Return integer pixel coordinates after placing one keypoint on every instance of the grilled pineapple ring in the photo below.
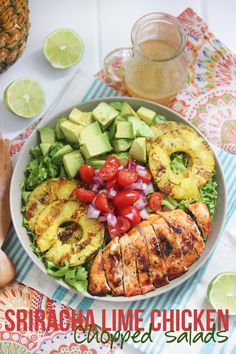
(46, 193)
(177, 137)
(77, 246)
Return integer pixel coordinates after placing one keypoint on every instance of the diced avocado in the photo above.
(47, 135)
(71, 131)
(146, 114)
(63, 151)
(88, 133)
(138, 150)
(127, 110)
(104, 114)
(141, 128)
(158, 119)
(45, 148)
(58, 131)
(123, 157)
(55, 147)
(72, 162)
(98, 145)
(121, 144)
(112, 127)
(82, 118)
(96, 163)
(117, 105)
(124, 129)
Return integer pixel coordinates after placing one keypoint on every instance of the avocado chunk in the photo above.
(121, 144)
(127, 110)
(58, 131)
(88, 133)
(96, 163)
(141, 128)
(82, 118)
(104, 114)
(45, 147)
(147, 115)
(71, 131)
(72, 162)
(123, 157)
(47, 135)
(158, 119)
(138, 150)
(99, 145)
(117, 105)
(63, 151)
(124, 129)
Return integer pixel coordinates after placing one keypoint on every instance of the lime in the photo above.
(63, 48)
(221, 292)
(24, 97)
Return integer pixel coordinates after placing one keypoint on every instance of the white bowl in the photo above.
(18, 176)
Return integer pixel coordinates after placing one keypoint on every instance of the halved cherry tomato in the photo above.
(110, 168)
(102, 203)
(87, 173)
(155, 201)
(112, 183)
(125, 198)
(146, 176)
(132, 213)
(84, 195)
(123, 224)
(113, 160)
(126, 177)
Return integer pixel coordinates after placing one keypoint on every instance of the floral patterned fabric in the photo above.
(208, 100)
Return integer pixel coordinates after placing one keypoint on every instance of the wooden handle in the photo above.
(5, 178)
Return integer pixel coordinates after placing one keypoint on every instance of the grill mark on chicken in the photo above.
(130, 279)
(158, 267)
(171, 248)
(97, 279)
(142, 261)
(113, 267)
(200, 214)
(190, 238)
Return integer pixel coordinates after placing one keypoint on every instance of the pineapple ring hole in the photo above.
(185, 161)
(69, 232)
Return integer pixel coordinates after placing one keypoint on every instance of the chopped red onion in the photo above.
(130, 216)
(144, 214)
(93, 213)
(120, 168)
(97, 180)
(95, 188)
(142, 173)
(111, 193)
(148, 188)
(111, 219)
(132, 166)
(102, 218)
(97, 172)
(140, 204)
(136, 185)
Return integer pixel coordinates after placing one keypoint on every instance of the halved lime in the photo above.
(221, 292)
(24, 97)
(63, 48)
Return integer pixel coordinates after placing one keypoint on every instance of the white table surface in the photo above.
(103, 25)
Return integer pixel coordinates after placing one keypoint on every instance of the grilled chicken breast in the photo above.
(202, 217)
(130, 279)
(186, 230)
(113, 266)
(142, 261)
(158, 267)
(97, 279)
(171, 247)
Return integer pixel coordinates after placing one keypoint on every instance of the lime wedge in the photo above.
(221, 292)
(63, 48)
(24, 97)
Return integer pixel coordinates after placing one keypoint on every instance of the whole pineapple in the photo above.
(14, 28)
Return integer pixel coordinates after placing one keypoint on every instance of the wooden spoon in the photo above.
(7, 270)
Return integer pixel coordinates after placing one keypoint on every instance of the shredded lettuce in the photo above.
(179, 162)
